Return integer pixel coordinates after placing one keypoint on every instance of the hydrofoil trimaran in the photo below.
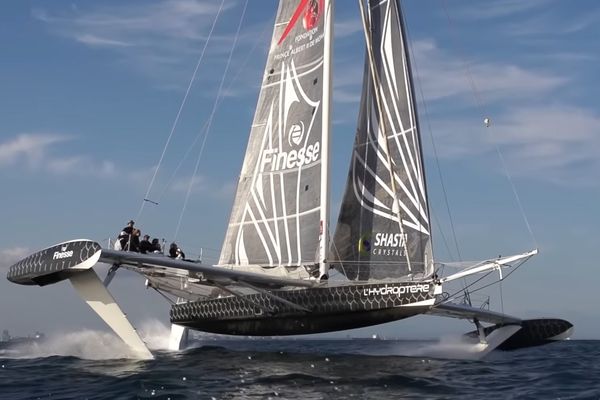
(271, 278)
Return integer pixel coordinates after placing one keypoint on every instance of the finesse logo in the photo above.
(273, 160)
(63, 253)
(296, 134)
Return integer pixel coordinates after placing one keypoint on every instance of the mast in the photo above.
(327, 67)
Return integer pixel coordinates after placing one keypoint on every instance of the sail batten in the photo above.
(383, 230)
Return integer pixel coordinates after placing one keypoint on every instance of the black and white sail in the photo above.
(279, 209)
(383, 230)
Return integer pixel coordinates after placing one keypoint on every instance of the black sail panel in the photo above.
(275, 218)
(383, 229)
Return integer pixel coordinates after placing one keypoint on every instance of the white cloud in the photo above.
(160, 40)
(31, 148)
(498, 8)
(555, 143)
(200, 184)
(94, 40)
(444, 76)
(180, 19)
(552, 24)
(38, 152)
(347, 27)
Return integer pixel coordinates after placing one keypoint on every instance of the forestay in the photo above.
(383, 230)
(275, 219)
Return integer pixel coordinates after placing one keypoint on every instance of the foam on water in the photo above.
(91, 344)
(456, 347)
(86, 344)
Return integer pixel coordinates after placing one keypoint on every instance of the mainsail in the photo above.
(383, 229)
(277, 213)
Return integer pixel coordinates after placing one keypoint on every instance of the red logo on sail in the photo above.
(312, 12)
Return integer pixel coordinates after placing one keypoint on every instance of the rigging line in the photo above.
(203, 129)
(164, 296)
(434, 147)
(443, 237)
(187, 92)
(210, 119)
(495, 281)
(482, 109)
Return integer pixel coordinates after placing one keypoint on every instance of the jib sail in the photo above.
(383, 229)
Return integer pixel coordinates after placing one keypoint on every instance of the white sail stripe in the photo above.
(389, 48)
(261, 211)
(411, 114)
(282, 88)
(281, 218)
(296, 78)
(274, 206)
(413, 174)
(386, 60)
(260, 235)
(378, 4)
(413, 196)
(253, 194)
(285, 221)
(394, 218)
(381, 156)
(289, 97)
(389, 70)
(421, 210)
(365, 193)
(381, 136)
(387, 189)
(388, 65)
(236, 248)
(253, 182)
(316, 105)
(260, 189)
(242, 254)
(383, 159)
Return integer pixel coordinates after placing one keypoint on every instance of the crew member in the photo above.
(134, 243)
(146, 246)
(125, 235)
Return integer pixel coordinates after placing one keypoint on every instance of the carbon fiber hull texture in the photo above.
(330, 309)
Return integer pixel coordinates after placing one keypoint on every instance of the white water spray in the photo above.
(92, 345)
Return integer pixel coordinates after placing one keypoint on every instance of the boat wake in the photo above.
(454, 347)
(90, 344)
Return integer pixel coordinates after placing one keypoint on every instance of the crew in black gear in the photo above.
(145, 245)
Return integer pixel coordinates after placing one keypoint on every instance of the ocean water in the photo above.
(94, 365)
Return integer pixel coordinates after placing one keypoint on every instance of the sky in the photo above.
(89, 92)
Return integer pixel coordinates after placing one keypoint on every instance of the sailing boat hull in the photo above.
(327, 309)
